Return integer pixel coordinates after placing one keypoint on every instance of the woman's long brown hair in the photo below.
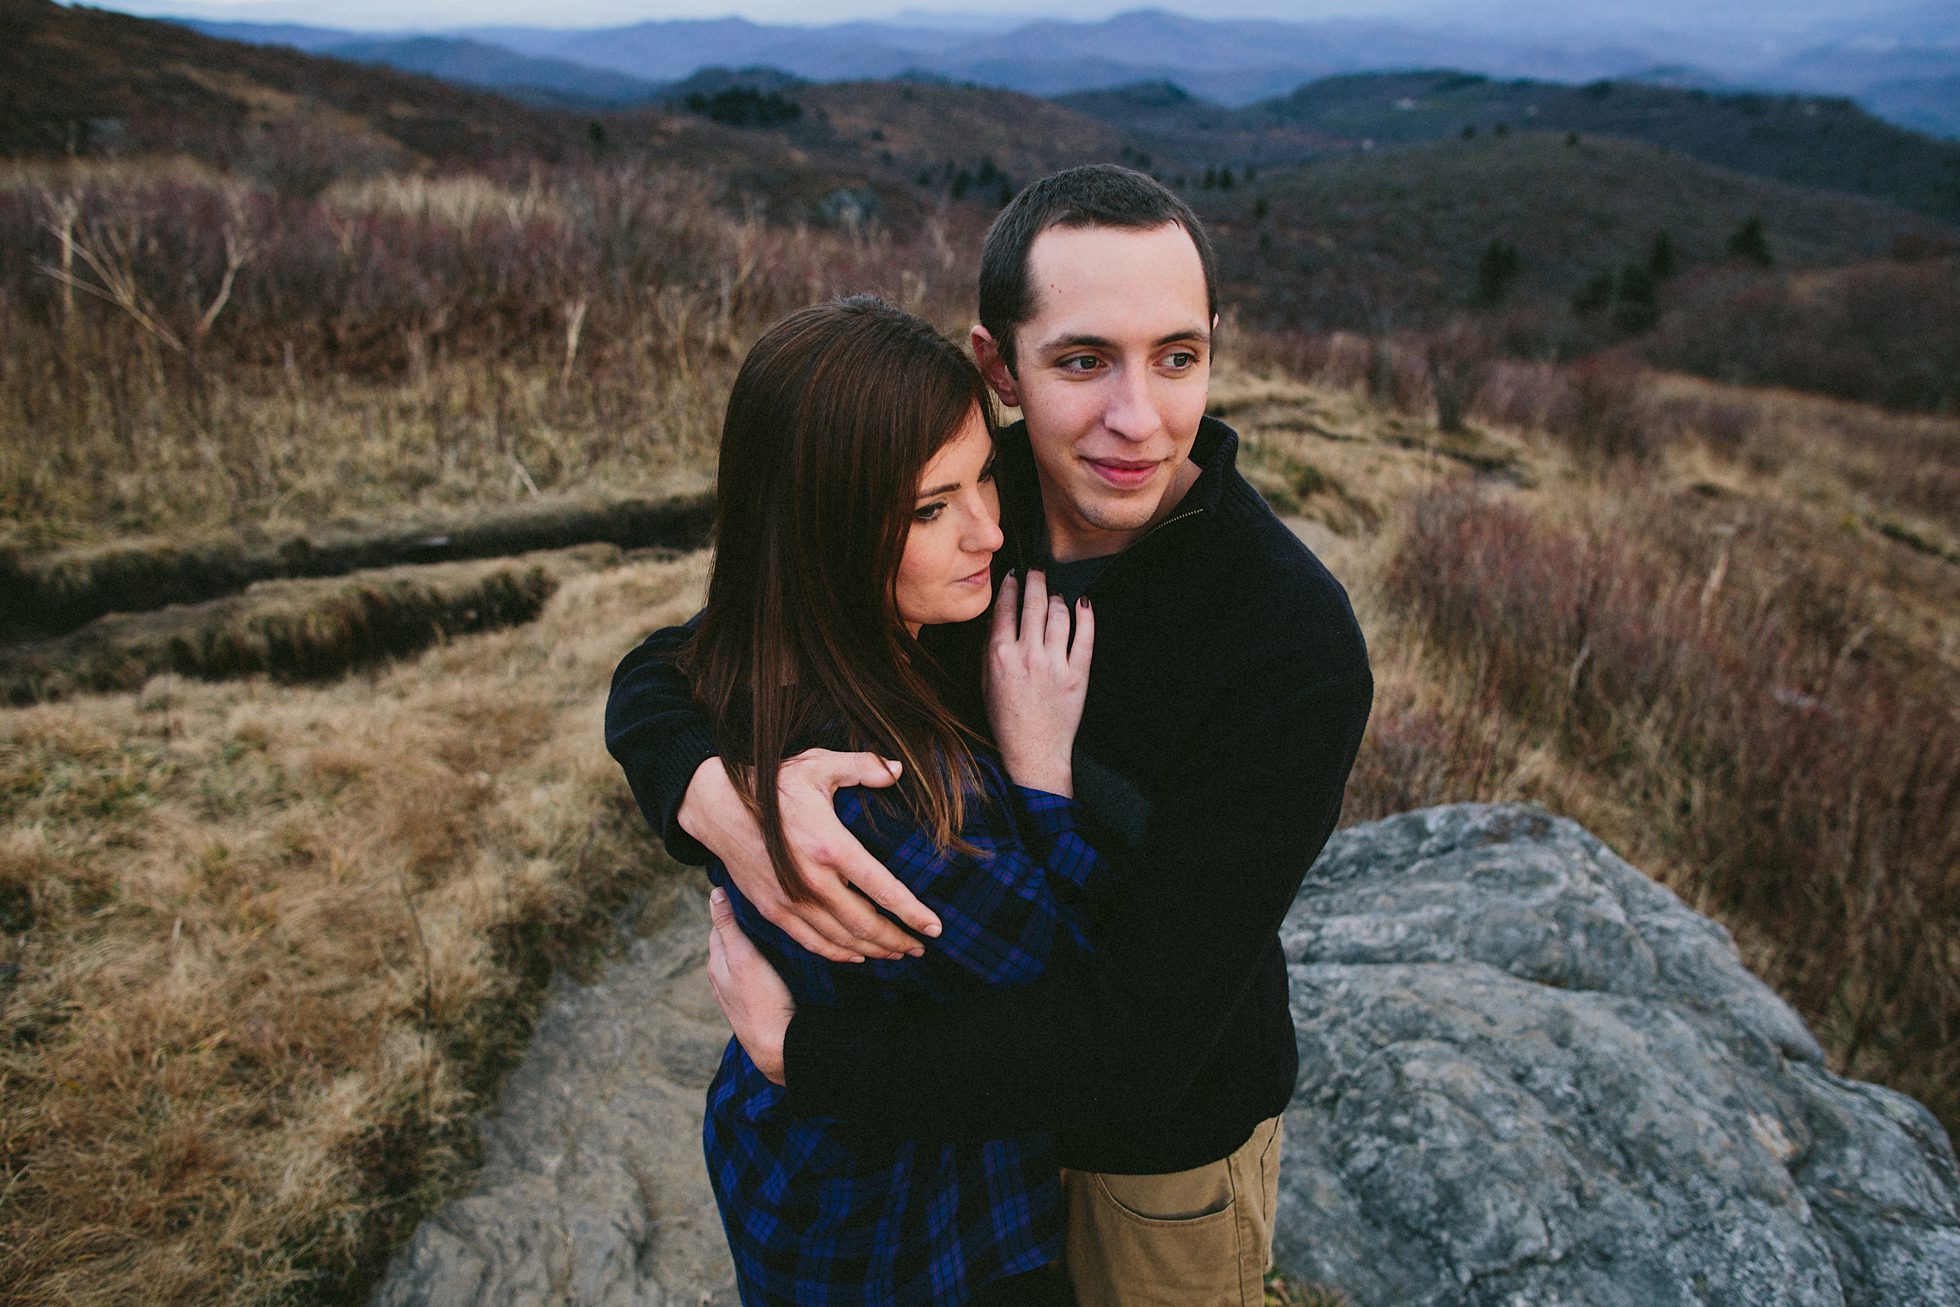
(835, 414)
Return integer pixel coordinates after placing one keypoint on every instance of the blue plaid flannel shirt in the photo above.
(818, 1214)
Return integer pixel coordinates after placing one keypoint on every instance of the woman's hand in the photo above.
(1035, 679)
(752, 996)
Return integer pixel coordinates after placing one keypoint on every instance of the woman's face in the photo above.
(943, 575)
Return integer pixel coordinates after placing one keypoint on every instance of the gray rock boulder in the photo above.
(1531, 1075)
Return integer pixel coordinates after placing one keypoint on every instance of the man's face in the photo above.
(1111, 376)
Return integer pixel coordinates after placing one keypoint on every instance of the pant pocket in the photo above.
(1131, 1243)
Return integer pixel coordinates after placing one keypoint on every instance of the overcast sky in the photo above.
(400, 14)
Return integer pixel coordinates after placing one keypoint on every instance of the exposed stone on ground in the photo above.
(1530, 1076)
(592, 1190)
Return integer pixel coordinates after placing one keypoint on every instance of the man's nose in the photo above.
(1130, 412)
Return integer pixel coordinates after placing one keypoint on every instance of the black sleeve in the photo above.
(657, 733)
(1120, 1031)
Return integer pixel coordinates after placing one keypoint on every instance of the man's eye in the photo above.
(1183, 358)
(1080, 363)
(929, 512)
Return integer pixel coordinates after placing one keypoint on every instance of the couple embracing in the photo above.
(1119, 700)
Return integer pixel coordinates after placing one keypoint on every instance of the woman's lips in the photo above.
(1124, 474)
(982, 577)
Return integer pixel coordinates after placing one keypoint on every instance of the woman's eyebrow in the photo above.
(946, 489)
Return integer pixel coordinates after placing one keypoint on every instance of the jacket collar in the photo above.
(1215, 452)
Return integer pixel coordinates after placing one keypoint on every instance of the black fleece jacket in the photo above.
(1226, 703)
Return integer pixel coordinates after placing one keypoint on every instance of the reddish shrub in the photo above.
(1807, 788)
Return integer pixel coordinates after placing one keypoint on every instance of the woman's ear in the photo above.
(986, 352)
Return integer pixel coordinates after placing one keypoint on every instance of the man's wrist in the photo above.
(695, 816)
(1054, 778)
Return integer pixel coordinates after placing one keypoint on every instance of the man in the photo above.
(1227, 699)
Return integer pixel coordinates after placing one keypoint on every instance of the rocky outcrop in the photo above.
(1529, 1075)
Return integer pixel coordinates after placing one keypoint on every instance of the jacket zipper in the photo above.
(1117, 561)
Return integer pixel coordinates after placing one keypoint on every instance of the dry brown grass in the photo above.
(271, 943)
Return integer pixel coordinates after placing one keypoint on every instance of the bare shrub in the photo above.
(1807, 788)
(300, 156)
(1459, 360)
(238, 350)
(1599, 407)
(1879, 333)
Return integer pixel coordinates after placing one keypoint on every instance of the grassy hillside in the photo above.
(79, 79)
(1812, 141)
(1401, 234)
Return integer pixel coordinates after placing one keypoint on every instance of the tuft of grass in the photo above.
(59, 589)
(1284, 1292)
(294, 630)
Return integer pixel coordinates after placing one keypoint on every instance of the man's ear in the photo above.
(994, 368)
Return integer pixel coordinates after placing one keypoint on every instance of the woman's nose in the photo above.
(984, 534)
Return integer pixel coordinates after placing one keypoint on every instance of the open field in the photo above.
(266, 942)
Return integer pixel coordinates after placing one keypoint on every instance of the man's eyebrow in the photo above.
(1086, 340)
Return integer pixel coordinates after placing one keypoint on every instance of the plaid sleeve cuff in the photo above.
(1051, 828)
(1050, 815)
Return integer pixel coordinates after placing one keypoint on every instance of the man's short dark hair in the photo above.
(1094, 195)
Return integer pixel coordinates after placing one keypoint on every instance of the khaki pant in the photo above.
(1197, 1238)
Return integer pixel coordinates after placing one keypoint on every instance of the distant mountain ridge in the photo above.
(1823, 142)
(1232, 61)
(525, 77)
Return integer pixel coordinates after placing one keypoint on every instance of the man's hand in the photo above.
(752, 996)
(839, 921)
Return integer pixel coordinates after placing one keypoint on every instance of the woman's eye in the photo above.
(929, 512)
(987, 472)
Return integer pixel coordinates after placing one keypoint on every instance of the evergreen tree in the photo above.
(1595, 295)
(1635, 307)
(1497, 268)
(1662, 261)
(1750, 241)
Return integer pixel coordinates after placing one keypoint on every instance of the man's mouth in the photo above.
(1125, 473)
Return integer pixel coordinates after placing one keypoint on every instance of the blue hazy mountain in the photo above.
(1900, 61)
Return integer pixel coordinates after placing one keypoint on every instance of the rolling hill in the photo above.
(78, 79)
(1823, 142)
(522, 77)
(1401, 233)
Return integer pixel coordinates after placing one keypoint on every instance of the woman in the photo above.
(856, 505)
